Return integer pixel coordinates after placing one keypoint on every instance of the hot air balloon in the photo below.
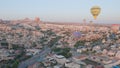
(37, 19)
(95, 10)
(77, 34)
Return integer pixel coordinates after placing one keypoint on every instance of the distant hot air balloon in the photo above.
(77, 34)
(95, 10)
(37, 19)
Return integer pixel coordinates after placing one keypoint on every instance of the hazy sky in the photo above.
(60, 10)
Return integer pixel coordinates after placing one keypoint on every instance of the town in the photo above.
(30, 43)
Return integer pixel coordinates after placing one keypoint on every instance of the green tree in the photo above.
(15, 64)
(79, 43)
(65, 52)
(56, 49)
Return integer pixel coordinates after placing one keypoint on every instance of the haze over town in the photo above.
(60, 11)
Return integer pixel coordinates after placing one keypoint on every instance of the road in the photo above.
(37, 58)
(34, 59)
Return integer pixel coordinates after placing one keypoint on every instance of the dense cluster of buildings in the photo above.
(91, 46)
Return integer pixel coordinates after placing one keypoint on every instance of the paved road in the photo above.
(36, 58)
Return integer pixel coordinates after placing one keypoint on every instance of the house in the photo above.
(36, 65)
(58, 66)
(47, 63)
(118, 55)
(59, 58)
(77, 59)
(111, 53)
(72, 65)
(104, 52)
(5, 55)
(95, 48)
(110, 65)
(32, 51)
(89, 66)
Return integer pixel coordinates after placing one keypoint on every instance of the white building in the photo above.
(117, 55)
(96, 48)
(72, 65)
(32, 51)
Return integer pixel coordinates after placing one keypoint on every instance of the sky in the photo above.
(60, 10)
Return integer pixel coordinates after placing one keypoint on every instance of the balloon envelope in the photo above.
(95, 10)
(37, 19)
(77, 34)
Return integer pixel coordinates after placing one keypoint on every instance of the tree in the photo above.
(15, 64)
(15, 46)
(68, 55)
(79, 43)
(34, 44)
(7, 66)
(64, 51)
(57, 49)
